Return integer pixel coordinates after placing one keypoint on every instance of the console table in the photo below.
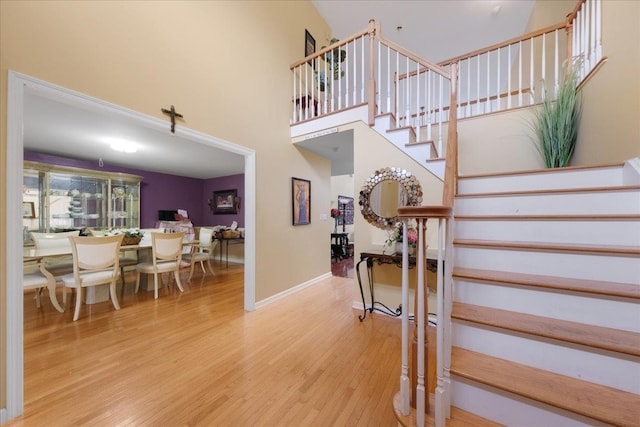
(371, 258)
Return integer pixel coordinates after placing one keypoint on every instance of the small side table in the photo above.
(370, 258)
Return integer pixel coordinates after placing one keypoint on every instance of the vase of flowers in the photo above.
(396, 238)
(132, 236)
(335, 214)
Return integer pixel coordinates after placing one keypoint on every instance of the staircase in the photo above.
(545, 321)
(424, 152)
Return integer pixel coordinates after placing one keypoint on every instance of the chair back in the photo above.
(167, 246)
(146, 236)
(53, 240)
(95, 253)
(205, 237)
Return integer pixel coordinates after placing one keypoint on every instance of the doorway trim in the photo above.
(17, 83)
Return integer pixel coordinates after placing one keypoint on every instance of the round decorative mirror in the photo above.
(386, 190)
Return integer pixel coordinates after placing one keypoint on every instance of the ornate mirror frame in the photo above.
(409, 183)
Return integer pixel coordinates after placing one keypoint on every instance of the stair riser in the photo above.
(623, 269)
(421, 151)
(613, 202)
(609, 312)
(543, 181)
(511, 410)
(600, 367)
(606, 232)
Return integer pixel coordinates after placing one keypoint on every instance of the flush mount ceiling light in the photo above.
(122, 145)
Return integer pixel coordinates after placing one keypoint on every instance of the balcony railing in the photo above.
(368, 69)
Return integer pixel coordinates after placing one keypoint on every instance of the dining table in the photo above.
(94, 294)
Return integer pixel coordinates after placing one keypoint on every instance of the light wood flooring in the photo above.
(197, 358)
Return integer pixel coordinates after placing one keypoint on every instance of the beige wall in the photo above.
(609, 129)
(224, 65)
(610, 125)
(371, 239)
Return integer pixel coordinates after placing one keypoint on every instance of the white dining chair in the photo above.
(166, 254)
(57, 266)
(95, 262)
(201, 252)
(39, 280)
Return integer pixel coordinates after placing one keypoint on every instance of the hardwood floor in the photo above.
(197, 358)
(342, 267)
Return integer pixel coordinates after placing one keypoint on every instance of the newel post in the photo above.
(373, 30)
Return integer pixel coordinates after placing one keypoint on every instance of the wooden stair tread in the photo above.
(625, 290)
(410, 144)
(595, 401)
(578, 333)
(611, 189)
(459, 417)
(542, 171)
(552, 247)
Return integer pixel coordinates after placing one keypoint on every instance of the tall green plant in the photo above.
(558, 119)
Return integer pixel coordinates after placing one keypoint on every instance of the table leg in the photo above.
(364, 306)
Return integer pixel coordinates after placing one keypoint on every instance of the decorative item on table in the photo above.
(132, 236)
(335, 214)
(396, 237)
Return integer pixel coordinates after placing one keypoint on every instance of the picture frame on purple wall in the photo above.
(225, 202)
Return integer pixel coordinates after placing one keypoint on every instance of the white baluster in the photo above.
(293, 113)
(556, 63)
(531, 77)
(598, 29)
(441, 108)
(417, 92)
(478, 84)
(508, 77)
(520, 73)
(543, 66)
(397, 91)
(420, 285)
(388, 80)
(407, 113)
(498, 83)
(429, 104)
(363, 82)
(347, 89)
(440, 400)
(405, 384)
(488, 103)
(468, 87)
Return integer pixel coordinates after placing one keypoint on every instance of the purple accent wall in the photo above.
(231, 182)
(160, 191)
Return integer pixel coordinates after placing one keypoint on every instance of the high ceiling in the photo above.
(436, 30)
(76, 129)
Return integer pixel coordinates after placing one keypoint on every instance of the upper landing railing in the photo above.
(365, 69)
(368, 69)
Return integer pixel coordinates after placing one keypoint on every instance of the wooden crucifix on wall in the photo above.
(173, 114)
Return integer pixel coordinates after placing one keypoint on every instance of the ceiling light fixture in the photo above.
(123, 146)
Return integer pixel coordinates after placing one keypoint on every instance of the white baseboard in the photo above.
(293, 290)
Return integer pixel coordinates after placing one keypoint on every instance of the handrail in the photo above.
(435, 67)
(330, 48)
(505, 43)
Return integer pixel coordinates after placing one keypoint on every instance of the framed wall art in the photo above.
(309, 46)
(345, 204)
(225, 202)
(301, 201)
(28, 210)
